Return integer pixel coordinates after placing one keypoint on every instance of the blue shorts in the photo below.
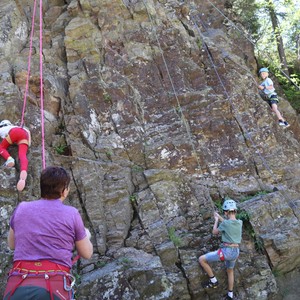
(230, 254)
(273, 100)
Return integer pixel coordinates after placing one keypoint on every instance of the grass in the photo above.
(60, 149)
(100, 264)
(243, 215)
(133, 198)
(126, 262)
(174, 238)
(219, 204)
(199, 43)
(260, 193)
(109, 154)
(107, 97)
(137, 169)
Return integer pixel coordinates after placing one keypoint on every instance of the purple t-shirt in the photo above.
(46, 229)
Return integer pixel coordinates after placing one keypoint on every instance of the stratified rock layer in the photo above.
(154, 109)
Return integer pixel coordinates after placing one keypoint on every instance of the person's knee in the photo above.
(202, 259)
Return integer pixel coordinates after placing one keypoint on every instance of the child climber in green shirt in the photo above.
(231, 231)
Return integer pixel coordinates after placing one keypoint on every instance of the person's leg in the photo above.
(23, 166)
(277, 112)
(20, 136)
(206, 266)
(31, 292)
(203, 260)
(231, 255)
(230, 275)
(23, 148)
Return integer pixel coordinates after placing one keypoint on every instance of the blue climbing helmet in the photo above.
(229, 205)
(4, 123)
(263, 70)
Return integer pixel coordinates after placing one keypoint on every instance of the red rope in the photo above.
(29, 64)
(41, 83)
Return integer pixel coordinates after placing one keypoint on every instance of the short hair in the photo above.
(53, 181)
(230, 211)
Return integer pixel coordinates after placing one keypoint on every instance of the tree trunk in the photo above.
(279, 40)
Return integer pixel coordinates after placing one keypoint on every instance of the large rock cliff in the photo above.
(154, 109)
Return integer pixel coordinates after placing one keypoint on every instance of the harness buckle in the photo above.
(24, 276)
(70, 286)
(221, 255)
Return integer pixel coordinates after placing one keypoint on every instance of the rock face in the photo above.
(154, 109)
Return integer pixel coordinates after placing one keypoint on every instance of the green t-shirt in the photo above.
(231, 231)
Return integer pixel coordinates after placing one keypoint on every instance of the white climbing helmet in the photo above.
(4, 123)
(229, 205)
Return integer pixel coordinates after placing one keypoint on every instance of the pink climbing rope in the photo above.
(41, 76)
(41, 83)
(29, 64)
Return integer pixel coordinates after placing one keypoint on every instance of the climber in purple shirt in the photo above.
(43, 234)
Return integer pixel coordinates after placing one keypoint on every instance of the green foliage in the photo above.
(247, 12)
(109, 154)
(137, 169)
(60, 149)
(290, 90)
(276, 272)
(126, 262)
(77, 277)
(178, 110)
(258, 242)
(293, 95)
(260, 193)
(107, 97)
(199, 43)
(219, 204)
(243, 215)
(133, 198)
(287, 14)
(174, 238)
(100, 264)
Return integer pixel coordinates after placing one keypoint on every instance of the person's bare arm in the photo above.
(84, 247)
(217, 218)
(11, 239)
(270, 87)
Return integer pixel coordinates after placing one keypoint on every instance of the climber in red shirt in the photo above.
(12, 134)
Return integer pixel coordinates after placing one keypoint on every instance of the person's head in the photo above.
(229, 207)
(5, 123)
(54, 182)
(264, 73)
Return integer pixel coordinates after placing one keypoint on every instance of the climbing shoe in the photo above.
(281, 123)
(22, 181)
(226, 297)
(286, 124)
(10, 162)
(209, 285)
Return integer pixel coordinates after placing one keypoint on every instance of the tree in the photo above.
(277, 31)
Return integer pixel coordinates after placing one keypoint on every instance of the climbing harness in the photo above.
(53, 277)
(221, 255)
